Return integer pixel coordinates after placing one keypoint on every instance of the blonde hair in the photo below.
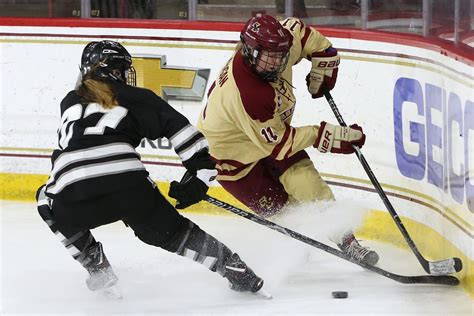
(96, 90)
(239, 46)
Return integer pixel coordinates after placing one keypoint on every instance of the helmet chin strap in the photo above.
(269, 76)
(117, 75)
(128, 76)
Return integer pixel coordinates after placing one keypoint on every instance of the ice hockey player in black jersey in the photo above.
(97, 177)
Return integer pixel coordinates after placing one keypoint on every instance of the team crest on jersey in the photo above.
(281, 86)
(287, 113)
(279, 101)
(255, 27)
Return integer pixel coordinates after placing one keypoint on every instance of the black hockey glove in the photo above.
(200, 160)
(188, 191)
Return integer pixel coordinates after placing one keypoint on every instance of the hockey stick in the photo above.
(441, 267)
(422, 279)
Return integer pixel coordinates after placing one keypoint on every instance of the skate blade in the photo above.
(264, 294)
(112, 292)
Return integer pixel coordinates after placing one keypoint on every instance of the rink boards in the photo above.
(413, 98)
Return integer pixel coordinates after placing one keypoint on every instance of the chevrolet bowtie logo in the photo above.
(170, 82)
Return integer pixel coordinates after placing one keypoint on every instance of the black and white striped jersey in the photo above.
(96, 147)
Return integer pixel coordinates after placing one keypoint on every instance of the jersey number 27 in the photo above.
(110, 118)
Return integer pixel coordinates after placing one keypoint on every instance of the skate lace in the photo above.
(356, 251)
(241, 278)
(236, 266)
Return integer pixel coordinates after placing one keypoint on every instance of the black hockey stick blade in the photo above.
(426, 279)
(423, 279)
(442, 267)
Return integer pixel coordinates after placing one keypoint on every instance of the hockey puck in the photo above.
(339, 294)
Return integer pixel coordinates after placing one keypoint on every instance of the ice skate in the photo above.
(101, 276)
(351, 247)
(241, 277)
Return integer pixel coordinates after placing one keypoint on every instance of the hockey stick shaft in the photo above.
(424, 279)
(446, 266)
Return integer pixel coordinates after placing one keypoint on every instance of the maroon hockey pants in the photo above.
(261, 190)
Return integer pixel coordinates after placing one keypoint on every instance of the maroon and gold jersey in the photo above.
(247, 119)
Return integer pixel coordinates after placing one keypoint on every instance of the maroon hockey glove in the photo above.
(338, 139)
(323, 73)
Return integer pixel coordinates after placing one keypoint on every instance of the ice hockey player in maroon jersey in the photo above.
(261, 158)
(97, 176)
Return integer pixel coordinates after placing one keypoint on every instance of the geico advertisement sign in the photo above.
(434, 137)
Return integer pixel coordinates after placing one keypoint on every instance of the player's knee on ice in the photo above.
(304, 184)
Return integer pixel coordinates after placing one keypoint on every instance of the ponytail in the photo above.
(97, 91)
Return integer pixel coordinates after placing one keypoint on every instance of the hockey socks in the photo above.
(203, 248)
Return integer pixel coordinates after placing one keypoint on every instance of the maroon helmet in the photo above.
(266, 44)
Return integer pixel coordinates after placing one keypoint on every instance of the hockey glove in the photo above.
(338, 139)
(200, 160)
(323, 74)
(192, 188)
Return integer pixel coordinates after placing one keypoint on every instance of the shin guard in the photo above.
(192, 242)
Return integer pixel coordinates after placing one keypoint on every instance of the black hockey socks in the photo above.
(192, 242)
(75, 241)
(203, 248)
(81, 245)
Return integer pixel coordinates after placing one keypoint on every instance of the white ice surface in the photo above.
(38, 277)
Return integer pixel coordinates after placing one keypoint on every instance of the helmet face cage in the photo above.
(108, 59)
(131, 76)
(267, 65)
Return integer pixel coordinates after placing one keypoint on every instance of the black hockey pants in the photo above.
(144, 209)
